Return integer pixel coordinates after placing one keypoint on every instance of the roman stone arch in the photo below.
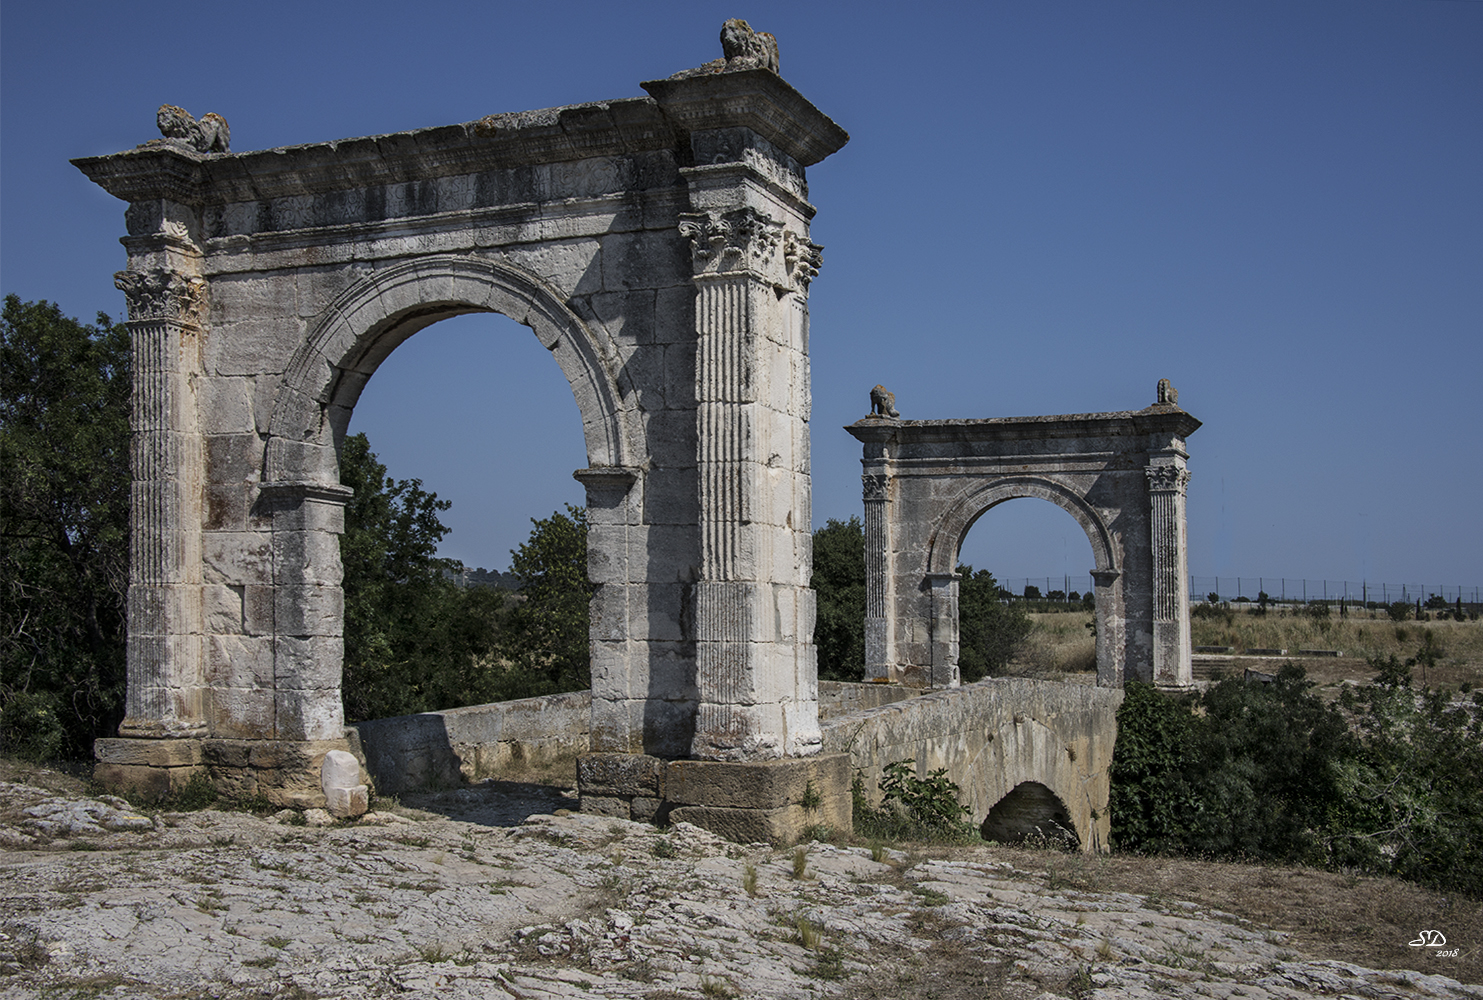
(658, 246)
(1121, 475)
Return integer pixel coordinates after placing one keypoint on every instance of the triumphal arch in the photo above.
(1121, 475)
(657, 246)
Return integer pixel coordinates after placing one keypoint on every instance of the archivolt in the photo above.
(951, 530)
(366, 322)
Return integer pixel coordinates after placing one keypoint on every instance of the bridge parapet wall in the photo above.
(991, 737)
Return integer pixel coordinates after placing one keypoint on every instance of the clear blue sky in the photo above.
(1045, 207)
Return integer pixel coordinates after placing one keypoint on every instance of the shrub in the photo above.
(1387, 781)
(1398, 611)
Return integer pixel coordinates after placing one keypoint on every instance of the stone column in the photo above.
(1167, 480)
(879, 642)
(1111, 654)
(308, 608)
(753, 610)
(619, 690)
(166, 691)
(944, 589)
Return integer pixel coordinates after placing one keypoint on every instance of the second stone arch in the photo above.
(1121, 475)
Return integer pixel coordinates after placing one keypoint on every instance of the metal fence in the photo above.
(1284, 590)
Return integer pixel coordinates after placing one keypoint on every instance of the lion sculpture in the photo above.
(883, 403)
(209, 135)
(748, 49)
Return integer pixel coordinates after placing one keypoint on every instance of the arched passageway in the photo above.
(1032, 812)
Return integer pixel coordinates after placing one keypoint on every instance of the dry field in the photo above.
(1061, 645)
(1358, 637)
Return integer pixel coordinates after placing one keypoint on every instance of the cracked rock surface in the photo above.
(517, 897)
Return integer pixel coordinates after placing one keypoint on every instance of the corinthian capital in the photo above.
(801, 259)
(1167, 478)
(723, 242)
(163, 294)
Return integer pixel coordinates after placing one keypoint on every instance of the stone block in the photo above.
(308, 610)
(344, 803)
(148, 753)
(149, 783)
(222, 607)
(307, 557)
(243, 713)
(606, 805)
(339, 769)
(309, 714)
(236, 557)
(620, 774)
(648, 810)
(258, 610)
(617, 724)
(250, 347)
(644, 260)
(227, 506)
(233, 458)
(234, 661)
(767, 784)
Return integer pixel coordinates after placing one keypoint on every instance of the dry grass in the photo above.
(1358, 636)
(1058, 644)
(1360, 919)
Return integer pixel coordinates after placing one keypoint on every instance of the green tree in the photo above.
(839, 586)
(990, 629)
(414, 640)
(64, 528)
(549, 636)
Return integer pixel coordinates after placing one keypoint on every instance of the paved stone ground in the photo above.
(498, 892)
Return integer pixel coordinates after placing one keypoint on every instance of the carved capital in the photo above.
(743, 240)
(163, 294)
(875, 487)
(801, 259)
(1167, 478)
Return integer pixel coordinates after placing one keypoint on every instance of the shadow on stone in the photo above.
(493, 803)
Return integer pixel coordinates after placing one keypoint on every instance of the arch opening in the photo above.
(473, 406)
(1030, 812)
(1012, 541)
(366, 323)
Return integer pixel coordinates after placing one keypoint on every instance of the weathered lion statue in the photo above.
(209, 135)
(742, 48)
(748, 49)
(883, 403)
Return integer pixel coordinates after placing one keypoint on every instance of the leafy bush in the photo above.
(914, 808)
(1387, 781)
(1398, 611)
(417, 642)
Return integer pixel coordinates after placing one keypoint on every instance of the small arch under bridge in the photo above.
(1029, 757)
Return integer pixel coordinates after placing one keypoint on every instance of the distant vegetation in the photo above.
(417, 641)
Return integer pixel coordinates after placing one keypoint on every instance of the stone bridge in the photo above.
(1027, 755)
